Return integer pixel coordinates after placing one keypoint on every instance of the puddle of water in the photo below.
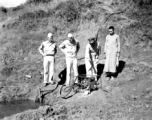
(10, 108)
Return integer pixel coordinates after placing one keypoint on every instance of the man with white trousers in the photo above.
(92, 57)
(70, 48)
(48, 49)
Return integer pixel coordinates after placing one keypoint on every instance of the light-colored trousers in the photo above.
(48, 64)
(111, 61)
(91, 67)
(69, 63)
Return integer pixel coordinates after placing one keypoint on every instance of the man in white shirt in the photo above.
(92, 57)
(70, 48)
(112, 51)
(48, 49)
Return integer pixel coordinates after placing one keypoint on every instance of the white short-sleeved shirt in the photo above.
(48, 47)
(92, 51)
(70, 48)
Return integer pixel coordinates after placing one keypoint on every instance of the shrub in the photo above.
(31, 20)
(3, 9)
(143, 2)
(34, 15)
(71, 10)
(38, 1)
(68, 11)
(17, 8)
(6, 71)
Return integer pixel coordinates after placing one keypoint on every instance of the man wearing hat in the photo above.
(48, 49)
(70, 48)
(91, 57)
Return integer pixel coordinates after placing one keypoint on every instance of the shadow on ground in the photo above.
(81, 70)
(120, 67)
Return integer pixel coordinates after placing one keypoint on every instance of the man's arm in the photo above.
(99, 49)
(105, 45)
(41, 50)
(78, 46)
(87, 52)
(118, 44)
(62, 46)
(55, 51)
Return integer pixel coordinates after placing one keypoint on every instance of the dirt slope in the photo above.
(25, 27)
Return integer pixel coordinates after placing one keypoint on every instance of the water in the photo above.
(10, 108)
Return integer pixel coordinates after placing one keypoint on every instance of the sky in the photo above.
(11, 3)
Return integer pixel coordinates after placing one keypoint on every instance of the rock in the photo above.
(86, 92)
(134, 97)
(147, 105)
(41, 119)
(135, 69)
(45, 110)
(28, 76)
(107, 89)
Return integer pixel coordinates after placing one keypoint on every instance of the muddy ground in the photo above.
(128, 99)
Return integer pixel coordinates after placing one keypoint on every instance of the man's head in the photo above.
(70, 36)
(50, 37)
(111, 30)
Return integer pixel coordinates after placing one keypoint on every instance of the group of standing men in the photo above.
(70, 48)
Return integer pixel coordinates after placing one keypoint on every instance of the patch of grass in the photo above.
(68, 12)
(31, 20)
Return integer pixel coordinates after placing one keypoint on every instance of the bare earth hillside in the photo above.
(23, 28)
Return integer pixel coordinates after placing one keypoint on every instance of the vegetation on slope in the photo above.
(26, 26)
(23, 29)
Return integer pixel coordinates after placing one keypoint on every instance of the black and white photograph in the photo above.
(75, 59)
